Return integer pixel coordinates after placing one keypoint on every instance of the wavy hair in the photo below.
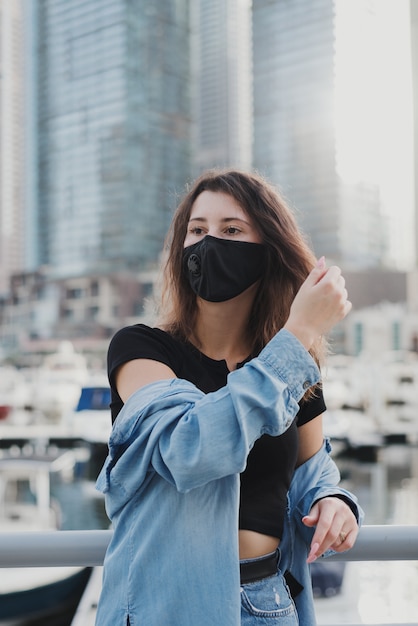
(289, 258)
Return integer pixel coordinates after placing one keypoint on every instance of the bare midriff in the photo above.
(252, 544)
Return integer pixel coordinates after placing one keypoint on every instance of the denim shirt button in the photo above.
(306, 384)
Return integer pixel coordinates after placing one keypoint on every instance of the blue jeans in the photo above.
(267, 602)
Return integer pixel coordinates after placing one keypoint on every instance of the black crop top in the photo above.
(272, 460)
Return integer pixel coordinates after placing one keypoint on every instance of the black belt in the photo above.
(259, 568)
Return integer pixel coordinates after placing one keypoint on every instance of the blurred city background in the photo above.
(108, 109)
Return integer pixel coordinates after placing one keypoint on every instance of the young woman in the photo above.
(218, 482)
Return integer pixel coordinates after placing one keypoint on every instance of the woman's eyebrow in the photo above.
(224, 219)
(235, 219)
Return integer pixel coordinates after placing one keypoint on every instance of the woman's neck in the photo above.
(222, 331)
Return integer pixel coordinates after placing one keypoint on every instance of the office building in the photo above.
(113, 130)
(414, 57)
(12, 140)
(221, 61)
(326, 122)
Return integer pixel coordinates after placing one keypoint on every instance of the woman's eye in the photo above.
(232, 230)
(196, 230)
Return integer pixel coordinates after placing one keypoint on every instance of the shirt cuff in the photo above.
(352, 505)
(290, 360)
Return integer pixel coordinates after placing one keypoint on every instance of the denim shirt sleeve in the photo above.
(319, 478)
(190, 438)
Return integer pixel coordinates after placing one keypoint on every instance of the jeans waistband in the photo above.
(252, 570)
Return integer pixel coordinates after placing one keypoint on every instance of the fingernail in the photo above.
(321, 263)
(312, 556)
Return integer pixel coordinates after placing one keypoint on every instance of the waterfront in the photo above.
(379, 592)
(384, 477)
(372, 592)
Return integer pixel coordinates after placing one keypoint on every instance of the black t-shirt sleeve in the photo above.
(138, 342)
(309, 409)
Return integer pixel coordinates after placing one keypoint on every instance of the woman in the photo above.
(210, 482)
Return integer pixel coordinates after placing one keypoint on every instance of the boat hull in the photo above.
(52, 604)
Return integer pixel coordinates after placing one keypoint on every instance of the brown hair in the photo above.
(288, 262)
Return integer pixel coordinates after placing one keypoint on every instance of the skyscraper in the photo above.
(323, 115)
(414, 56)
(12, 140)
(221, 59)
(113, 130)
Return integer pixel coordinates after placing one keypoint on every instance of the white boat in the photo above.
(14, 390)
(393, 395)
(87, 608)
(342, 383)
(353, 428)
(28, 595)
(57, 382)
(372, 397)
(91, 419)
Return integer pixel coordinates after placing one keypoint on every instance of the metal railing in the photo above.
(87, 547)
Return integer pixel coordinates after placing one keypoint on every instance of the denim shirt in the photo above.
(317, 478)
(171, 485)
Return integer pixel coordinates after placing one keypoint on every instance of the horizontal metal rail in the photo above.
(88, 547)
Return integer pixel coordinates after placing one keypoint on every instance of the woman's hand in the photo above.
(336, 527)
(321, 302)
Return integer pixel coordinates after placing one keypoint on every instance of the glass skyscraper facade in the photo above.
(12, 140)
(221, 64)
(296, 141)
(414, 46)
(113, 130)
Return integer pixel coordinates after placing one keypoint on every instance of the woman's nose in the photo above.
(214, 232)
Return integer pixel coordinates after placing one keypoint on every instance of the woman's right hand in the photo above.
(321, 302)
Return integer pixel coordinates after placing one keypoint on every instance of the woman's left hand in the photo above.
(336, 527)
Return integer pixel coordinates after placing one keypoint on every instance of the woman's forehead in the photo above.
(210, 204)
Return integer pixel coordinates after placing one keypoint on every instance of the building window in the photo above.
(74, 294)
(93, 312)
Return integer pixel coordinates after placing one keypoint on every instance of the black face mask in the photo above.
(220, 269)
